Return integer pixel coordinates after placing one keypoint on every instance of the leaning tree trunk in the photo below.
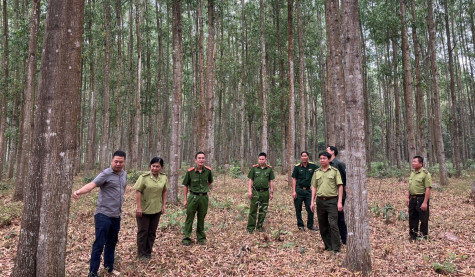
(436, 98)
(41, 247)
(358, 256)
(176, 103)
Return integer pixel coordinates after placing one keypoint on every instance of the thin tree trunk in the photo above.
(358, 257)
(136, 159)
(303, 102)
(242, 107)
(202, 141)
(291, 134)
(211, 79)
(176, 103)
(26, 127)
(397, 109)
(106, 117)
(265, 85)
(43, 233)
(5, 85)
(436, 97)
(117, 138)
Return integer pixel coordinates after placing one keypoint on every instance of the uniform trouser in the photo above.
(146, 233)
(342, 224)
(259, 205)
(416, 215)
(303, 196)
(107, 231)
(196, 205)
(327, 212)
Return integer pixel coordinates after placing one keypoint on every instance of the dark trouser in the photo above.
(107, 231)
(327, 212)
(342, 224)
(303, 196)
(196, 205)
(416, 215)
(259, 205)
(146, 233)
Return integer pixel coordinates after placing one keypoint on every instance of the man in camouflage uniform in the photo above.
(197, 181)
(261, 178)
(301, 178)
(420, 184)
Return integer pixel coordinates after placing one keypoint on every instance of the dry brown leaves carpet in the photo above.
(280, 251)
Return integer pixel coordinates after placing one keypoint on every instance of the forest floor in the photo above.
(282, 250)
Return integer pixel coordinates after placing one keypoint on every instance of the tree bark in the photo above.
(26, 127)
(175, 145)
(397, 108)
(291, 133)
(243, 86)
(202, 138)
(5, 85)
(106, 116)
(408, 95)
(136, 157)
(41, 248)
(436, 98)
(117, 138)
(358, 256)
(211, 79)
(303, 102)
(265, 82)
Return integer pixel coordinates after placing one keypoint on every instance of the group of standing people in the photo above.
(322, 189)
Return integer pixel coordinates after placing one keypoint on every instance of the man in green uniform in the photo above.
(301, 178)
(197, 181)
(261, 177)
(327, 187)
(341, 166)
(420, 184)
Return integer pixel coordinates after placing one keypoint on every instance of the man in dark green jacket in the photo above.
(341, 166)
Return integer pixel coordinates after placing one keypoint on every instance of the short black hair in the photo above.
(326, 154)
(262, 154)
(334, 149)
(419, 158)
(305, 152)
(199, 152)
(119, 153)
(157, 160)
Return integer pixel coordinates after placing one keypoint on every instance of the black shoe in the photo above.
(92, 274)
(301, 228)
(313, 228)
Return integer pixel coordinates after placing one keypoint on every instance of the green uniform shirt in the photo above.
(419, 181)
(198, 182)
(151, 189)
(261, 176)
(303, 175)
(326, 182)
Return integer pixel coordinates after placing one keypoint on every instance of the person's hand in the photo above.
(138, 213)
(294, 194)
(185, 202)
(163, 209)
(250, 195)
(271, 196)
(75, 195)
(340, 207)
(312, 207)
(424, 207)
(407, 202)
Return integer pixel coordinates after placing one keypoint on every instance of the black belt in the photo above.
(199, 193)
(326, 198)
(262, 190)
(417, 195)
(305, 188)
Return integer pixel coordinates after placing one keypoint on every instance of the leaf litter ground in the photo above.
(282, 250)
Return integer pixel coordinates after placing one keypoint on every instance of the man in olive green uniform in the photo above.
(420, 184)
(197, 181)
(327, 187)
(341, 166)
(261, 177)
(301, 179)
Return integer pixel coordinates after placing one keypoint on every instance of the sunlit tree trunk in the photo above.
(265, 85)
(291, 133)
(211, 79)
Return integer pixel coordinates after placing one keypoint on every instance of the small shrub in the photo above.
(133, 175)
(225, 204)
(403, 215)
(235, 172)
(388, 210)
(243, 211)
(87, 179)
(447, 266)
(375, 210)
(4, 186)
(174, 220)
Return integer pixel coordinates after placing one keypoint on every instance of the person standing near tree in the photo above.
(151, 196)
(301, 182)
(197, 181)
(261, 178)
(341, 166)
(112, 183)
(418, 195)
(327, 188)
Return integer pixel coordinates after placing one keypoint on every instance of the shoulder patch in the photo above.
(297, 164)
(311, 162)
(255, 165)
(209, 168)
(425, 171)
(268, 165)
(191, 168)
(145, 174)
(162, 173)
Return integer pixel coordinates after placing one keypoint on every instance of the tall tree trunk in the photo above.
(117, 138)
(408, 95)
(202, 137)
(358, 256)
(421, 136)
(41, 248)
(291, 133)
(367, 109)
(397, 108)
(265, 83)
(136, 157)
(106, 117)
(436, 98)
(28, 103)
(303, 102)
(242, 107)
(211, 79)
(5, 84)
(454, 119)
(175, 145)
